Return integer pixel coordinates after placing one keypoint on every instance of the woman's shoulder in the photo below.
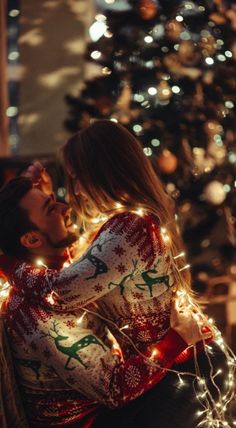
(129, 219)
(131, 230)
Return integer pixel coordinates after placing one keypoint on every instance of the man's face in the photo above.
(52, 218)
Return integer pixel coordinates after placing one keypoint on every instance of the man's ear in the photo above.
(31, 239)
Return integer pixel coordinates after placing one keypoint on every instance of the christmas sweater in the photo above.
(126, 271)
(65, 368)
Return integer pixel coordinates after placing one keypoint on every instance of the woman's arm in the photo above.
(84, 362)
(125, 246)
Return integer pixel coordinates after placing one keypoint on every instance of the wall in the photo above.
(52, 42)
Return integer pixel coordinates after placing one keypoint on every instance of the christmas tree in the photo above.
(168, 75)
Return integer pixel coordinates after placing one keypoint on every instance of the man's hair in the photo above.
(14, 220)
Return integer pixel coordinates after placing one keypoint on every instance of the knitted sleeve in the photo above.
(125, 246)
(87, 365)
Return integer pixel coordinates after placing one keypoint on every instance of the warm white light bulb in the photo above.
(97, 30)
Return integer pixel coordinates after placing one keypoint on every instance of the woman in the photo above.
(135, 262)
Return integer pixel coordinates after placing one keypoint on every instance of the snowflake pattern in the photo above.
(132, 377)
(121, 268)
(119, 251)
(98, 288)
(138, 296)
(70, 323)
(144, 336)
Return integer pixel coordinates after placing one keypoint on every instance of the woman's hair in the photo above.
(111, 167)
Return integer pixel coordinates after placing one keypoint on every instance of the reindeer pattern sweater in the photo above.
(127, 272)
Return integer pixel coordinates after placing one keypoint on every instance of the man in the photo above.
(66, 371)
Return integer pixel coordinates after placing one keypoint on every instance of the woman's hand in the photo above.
(40, 177)
(190, 325)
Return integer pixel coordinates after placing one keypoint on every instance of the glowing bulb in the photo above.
(228, 54)
(50, 299)
(13, 13)
(152, 91)
(147, 151)
(185, 267)
(124, 327)
(209, 60)
(148, 39)
(11, 111)
(96, 220)
(221, 57)
(155, 142)
(118, 205)
(13, 55)
(39, 262)
(175, 89)
(75, 226)
(100, 17)
(66, 264)
(106, 71)
(154, 353)
(137, 128)
(79, 320)
(108, 34)
(164, 234)
(180, 255)
(140, 212)
(95, 54)
(97, 30)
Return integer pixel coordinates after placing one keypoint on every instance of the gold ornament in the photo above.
(164, 91)
(173, 29)
(167, 162)
(212, 128)
(214, 192)
(208, 45)
(187, 53)
(147, 9)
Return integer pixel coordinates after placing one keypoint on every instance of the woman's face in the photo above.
(77, 186)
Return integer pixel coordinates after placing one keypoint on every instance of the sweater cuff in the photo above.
(171, 345)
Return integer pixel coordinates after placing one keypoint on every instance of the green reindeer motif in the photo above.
(128, 277)
(72, 350)
(150, 281)
(100, 266)
(31, 364)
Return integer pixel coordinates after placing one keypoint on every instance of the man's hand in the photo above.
(40, 177)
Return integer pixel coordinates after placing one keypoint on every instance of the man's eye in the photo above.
(51, 209)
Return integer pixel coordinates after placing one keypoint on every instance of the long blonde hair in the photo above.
(111, 167)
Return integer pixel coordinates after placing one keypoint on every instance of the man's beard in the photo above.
(63, 243)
